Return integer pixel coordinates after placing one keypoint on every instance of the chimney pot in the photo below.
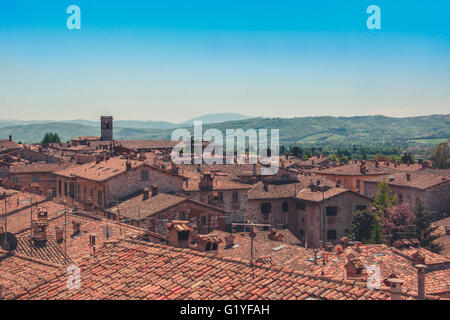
(421, 281)
(154, 189)
(395, 288)
(10, 138)
(145, 194)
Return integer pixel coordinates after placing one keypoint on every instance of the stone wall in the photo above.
(131, 182)
(308, 221)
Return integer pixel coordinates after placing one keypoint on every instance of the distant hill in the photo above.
(359, 130)
(216, 118)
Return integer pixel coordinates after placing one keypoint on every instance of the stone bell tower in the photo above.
(107, 128)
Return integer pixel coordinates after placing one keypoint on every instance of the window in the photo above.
(203, 220)
(78, 193)
(331, 211)
(65, 188)
(99, 198)
(331, 234)
(92, 194)
(220, 197)
(59, 187)
(266, 207)
(182, 215)
(301, 206)
(285, 207)
(361, 208)
(400, 198)
(358, 184)
(235, 196)
(71, 190)
(34, 178)
(144, 175)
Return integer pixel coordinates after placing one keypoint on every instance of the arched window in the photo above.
(285, 206)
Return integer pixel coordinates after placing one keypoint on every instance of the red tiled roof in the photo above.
(38, 167)
(418, 179)
(106, 169)
(136, 270)
(274, 191)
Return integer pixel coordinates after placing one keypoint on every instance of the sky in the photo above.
(175, 60)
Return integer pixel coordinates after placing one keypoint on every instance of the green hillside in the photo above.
(373, 130)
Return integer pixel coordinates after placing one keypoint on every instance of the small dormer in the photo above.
(274, 235)
(208, 243)
(178, 232)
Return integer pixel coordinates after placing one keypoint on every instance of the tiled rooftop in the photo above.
(418, 179)
(136, 270)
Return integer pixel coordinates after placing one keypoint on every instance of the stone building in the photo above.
(151, 210)
(272, 203)
(99, 184)
(220, 192)
(324, 214)
(431, 187)
(352, 176)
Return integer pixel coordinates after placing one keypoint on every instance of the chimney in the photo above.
(154, 189)
(344, 242)
(10, 138)
(325, 258)
(229, 240)
(255, 170)
(408, 176)
(315, 256)
(265, 185)
(417, 258)
(76, 226)
(206, 181)
(358, 246)
(178, 233)
(145, 193)
(421, 281)
(42, 214)
(395, 288)
(193, 235)
(128, 165)
(354, 268)
(59, 234)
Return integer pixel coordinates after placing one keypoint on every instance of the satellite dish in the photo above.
(8, 241)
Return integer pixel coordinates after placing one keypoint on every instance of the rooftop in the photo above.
(135, 270)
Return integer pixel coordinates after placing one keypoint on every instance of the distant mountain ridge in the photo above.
(136, 124)
(325, 130)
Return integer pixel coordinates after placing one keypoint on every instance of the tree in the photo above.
(50, 137)
(407, 157)
(366, 227)
(424, 229)
(440, 156)
(395, 218)
(297, 151)
(384, 199)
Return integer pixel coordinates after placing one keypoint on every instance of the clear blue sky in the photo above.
(173, 60)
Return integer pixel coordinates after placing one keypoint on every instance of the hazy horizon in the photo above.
(185, 120)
